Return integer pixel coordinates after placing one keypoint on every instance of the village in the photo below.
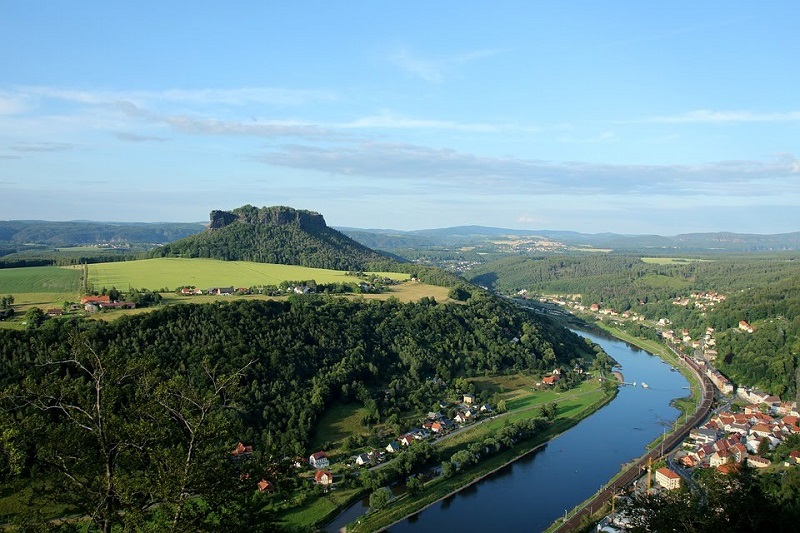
(434, 426)
(747, 425)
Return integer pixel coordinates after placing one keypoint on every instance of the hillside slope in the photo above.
(276, 234)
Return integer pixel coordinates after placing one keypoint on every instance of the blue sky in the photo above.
(630, 117)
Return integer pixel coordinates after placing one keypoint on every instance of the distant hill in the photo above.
(78, 233)
(553, 240)
(276, 234)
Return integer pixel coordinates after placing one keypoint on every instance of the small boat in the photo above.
(645, 385)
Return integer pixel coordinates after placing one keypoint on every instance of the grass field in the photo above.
(46, 287)
(40, 285)
(339, 421)
(172, 273)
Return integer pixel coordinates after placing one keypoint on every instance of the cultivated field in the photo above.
(47, 287)
(40, 285)
(171, 273)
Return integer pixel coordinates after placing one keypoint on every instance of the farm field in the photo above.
(171, 273)
(47, 287)
(40, 285)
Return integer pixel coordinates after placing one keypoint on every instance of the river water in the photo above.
(530, 494)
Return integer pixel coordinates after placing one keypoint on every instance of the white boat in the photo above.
(645, 385)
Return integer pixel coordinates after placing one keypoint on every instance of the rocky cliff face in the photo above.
(220, 219)
(274, 216)
(284, 216)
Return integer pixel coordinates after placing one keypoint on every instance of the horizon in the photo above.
(370, 229)
(624, 118)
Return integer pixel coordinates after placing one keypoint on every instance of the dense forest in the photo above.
(155, 402)
(763, 290)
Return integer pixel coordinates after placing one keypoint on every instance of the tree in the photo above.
(380, 498)
(35, 317)
(6, 302)
(414, 485)
(763, 447)
(82, 398)
(151, 445)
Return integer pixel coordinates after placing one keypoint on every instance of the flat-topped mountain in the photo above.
(275, 234)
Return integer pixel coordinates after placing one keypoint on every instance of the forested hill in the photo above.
(277, 234)
(77, 233)
(155, 402)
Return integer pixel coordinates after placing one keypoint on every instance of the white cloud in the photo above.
(710, 116)
(42, 147)
(433, 70)
(388, 120)
(438, 168)
(135, 137)
(233, 97)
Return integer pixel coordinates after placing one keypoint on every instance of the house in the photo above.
(319, 460)
(242, 452)
(323, 477)
(758, 462)
(55, 311)
(363, 459)
(406, 439)
(793, 459)
(728, 468)
(265, 486)
(437, 427)
(550, 380)
(719, 458)
(703, 435)
(668, 479)
(393, 447)
(744, 326)
(739, 452)
(220, 291)
(95, 299)
(469, 399)
(460, 418)
(486, 408)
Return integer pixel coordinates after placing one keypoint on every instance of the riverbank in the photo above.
(442, 488)
(694, 405)
(687, 406)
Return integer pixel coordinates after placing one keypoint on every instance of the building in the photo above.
(319, 460)
(668, 479)
(323, 477)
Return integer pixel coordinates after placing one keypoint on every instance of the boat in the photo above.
(645, 385)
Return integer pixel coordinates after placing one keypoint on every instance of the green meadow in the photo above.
(171, 273)
(40, 285)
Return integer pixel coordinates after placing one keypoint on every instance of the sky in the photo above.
(593, 116)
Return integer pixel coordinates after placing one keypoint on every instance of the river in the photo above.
(530, 494)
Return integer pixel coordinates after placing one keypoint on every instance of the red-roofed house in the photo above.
(323, 477)
(668, 479)
(265, 486)
(319, 460)
(551, 380)
(241, 451)
(95, 299)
